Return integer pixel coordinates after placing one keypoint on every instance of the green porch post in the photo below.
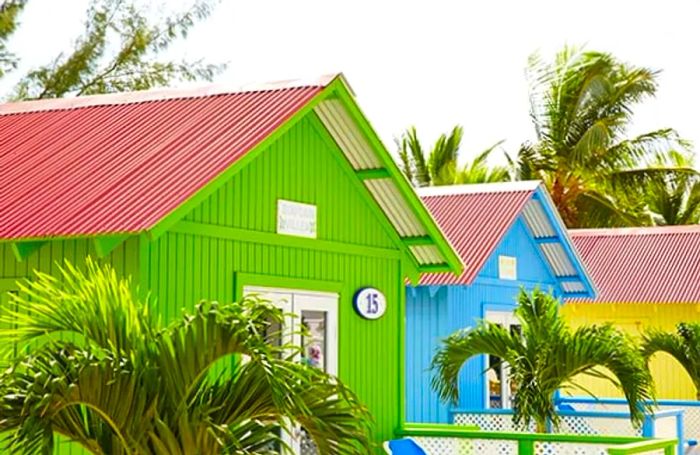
(526, 447)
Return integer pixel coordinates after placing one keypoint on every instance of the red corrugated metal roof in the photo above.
(474, 218)
(654, 265)
(120, 163)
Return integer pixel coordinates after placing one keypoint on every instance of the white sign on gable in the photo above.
(295, 218)
(507, 268)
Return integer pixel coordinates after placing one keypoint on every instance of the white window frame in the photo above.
(507, 319)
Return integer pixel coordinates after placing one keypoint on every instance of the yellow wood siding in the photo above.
(671, 379)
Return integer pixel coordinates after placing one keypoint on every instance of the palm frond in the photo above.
(544, 356)
(485, 338)
(581, 104)
(113, 380)
(649, 146)
(406, 164)
(442, 161)
(421, 172)
(683, 345)
(606, 346)
(601, 210)
(93, 304)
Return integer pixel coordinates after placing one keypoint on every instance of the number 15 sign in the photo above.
(369, 303)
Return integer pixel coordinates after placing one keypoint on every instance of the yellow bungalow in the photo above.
(646, 277)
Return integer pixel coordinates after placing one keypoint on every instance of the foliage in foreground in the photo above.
(683, 345)
(96, 367)
(546, 356)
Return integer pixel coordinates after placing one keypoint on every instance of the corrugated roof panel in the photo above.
(646, 265)
(346, 134)
(427, 254)
(474, 218)
(558, 258)
(121, 167)
(120, 163)
(390, 200)
(537, 220)
(573, 287)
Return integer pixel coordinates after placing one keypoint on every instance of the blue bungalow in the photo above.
(509, 236)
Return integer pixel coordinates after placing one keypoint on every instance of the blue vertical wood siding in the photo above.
(433, 313)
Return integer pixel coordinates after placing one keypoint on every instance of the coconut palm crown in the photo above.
(440, 166)
(544, 357)
(582, 104)
(674, 199)
(683, 345)
(92, 364)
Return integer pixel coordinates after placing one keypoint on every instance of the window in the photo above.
(499, 389)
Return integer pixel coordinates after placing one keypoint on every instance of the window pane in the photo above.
(494, 383)
(315, 341)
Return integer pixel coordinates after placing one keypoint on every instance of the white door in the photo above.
(318, 313)
(499, 390)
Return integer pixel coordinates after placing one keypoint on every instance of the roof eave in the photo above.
(452, 261)
(567, 244)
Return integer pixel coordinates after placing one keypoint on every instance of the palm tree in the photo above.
(581, 105)
(546, 356)
(674, 199)
(683, 345)
(97, 368)
(440, 166)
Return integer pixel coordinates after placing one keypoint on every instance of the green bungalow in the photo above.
(281, 189)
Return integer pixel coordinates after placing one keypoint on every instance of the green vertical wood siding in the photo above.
(181, 268)
(124, 258)
(301, 166)
(368, 350)
(46, 259)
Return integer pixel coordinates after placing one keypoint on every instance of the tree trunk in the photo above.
(541, 426)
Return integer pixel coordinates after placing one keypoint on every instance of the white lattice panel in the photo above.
(691, 414)
(569, 448)
(691, 419)
(607, 426)
(457, 446)
(489, 422)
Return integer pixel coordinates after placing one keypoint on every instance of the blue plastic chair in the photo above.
(405, 446)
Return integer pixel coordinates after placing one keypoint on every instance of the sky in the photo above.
(432, 64)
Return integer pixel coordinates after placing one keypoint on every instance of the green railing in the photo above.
(449, 439)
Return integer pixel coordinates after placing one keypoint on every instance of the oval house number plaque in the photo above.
(370, 303)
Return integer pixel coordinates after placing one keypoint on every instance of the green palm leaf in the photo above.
(581, 105)
(546, 356)
(683, 345)
(95, 368)
(441, 166)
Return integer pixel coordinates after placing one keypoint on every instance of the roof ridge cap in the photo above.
(479, 188)
(161, 94)
(636, 231)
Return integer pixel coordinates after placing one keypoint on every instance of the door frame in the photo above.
(329, 306)
(508, 314)
(284, 284)
(241, 280)
(254, 280)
